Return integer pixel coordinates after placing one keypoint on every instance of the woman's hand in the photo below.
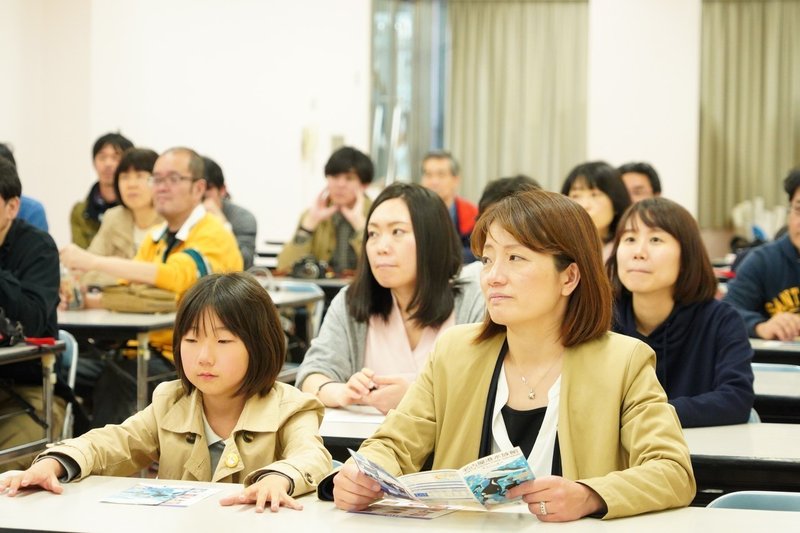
(556, 499)
(273, 488)
(338, 395)
(44, 473)
(390, 390)
(353, 490)
(361, 383)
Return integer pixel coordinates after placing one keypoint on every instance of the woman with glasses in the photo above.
(378, 332)
(124, 227)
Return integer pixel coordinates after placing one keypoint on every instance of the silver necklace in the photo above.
(531, 390)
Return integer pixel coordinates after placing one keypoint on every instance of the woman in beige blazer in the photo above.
(542, 372)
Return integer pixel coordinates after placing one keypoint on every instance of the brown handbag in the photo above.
(139, 298)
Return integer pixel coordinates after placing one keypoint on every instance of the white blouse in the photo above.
(541, 457)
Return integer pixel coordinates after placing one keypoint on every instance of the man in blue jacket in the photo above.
(766, 290)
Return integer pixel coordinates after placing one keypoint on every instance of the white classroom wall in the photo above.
(644, 89)
(247, 81)
(238, 80)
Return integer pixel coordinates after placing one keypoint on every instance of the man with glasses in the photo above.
(766, 289)
(190, 244)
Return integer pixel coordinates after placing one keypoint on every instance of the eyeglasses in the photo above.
(170, 179)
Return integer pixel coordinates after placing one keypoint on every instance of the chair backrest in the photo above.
(69, 368)
(759, 500)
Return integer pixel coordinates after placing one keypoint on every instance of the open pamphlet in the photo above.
(166, 495)
(479, 485)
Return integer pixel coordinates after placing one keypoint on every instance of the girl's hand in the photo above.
(44, 473)
(271, 488)
(390, 391)
(564, 500)
(354, 491)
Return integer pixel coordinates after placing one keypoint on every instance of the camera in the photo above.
(309, 268)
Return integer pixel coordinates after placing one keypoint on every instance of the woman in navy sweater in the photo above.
(664, 287)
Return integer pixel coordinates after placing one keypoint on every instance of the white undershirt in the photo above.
(541, 456)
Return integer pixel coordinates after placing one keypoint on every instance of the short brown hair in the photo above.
(246, 309)
(550, 223)
(696, 279)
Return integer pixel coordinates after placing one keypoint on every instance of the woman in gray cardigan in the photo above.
(404, 294)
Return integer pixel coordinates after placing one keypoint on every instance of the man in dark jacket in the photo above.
(29, 280)
(87, 214)
(766, 290)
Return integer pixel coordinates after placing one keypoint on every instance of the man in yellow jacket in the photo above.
(191, 243)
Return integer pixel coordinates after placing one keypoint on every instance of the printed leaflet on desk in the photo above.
(479, 485)
(166, 495)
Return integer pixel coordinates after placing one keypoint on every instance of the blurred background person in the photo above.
(239, 220)
(87, 214)
(597, 187)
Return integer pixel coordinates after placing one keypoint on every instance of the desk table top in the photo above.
(775, 346)
(103, 319)
(786, 384)
(753, 442)
(79, 509)
(25, 352)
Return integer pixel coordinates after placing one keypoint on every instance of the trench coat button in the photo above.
(247, 437)
(190, 438)
(231, 460)
(309, 478)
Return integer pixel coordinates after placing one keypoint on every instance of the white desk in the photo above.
(755, 442)
(785, 384)
(105, 323)
(28, 352)
(745, 457)
(79, 509)
(348, 427)
(770, 351)
(777, 394)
